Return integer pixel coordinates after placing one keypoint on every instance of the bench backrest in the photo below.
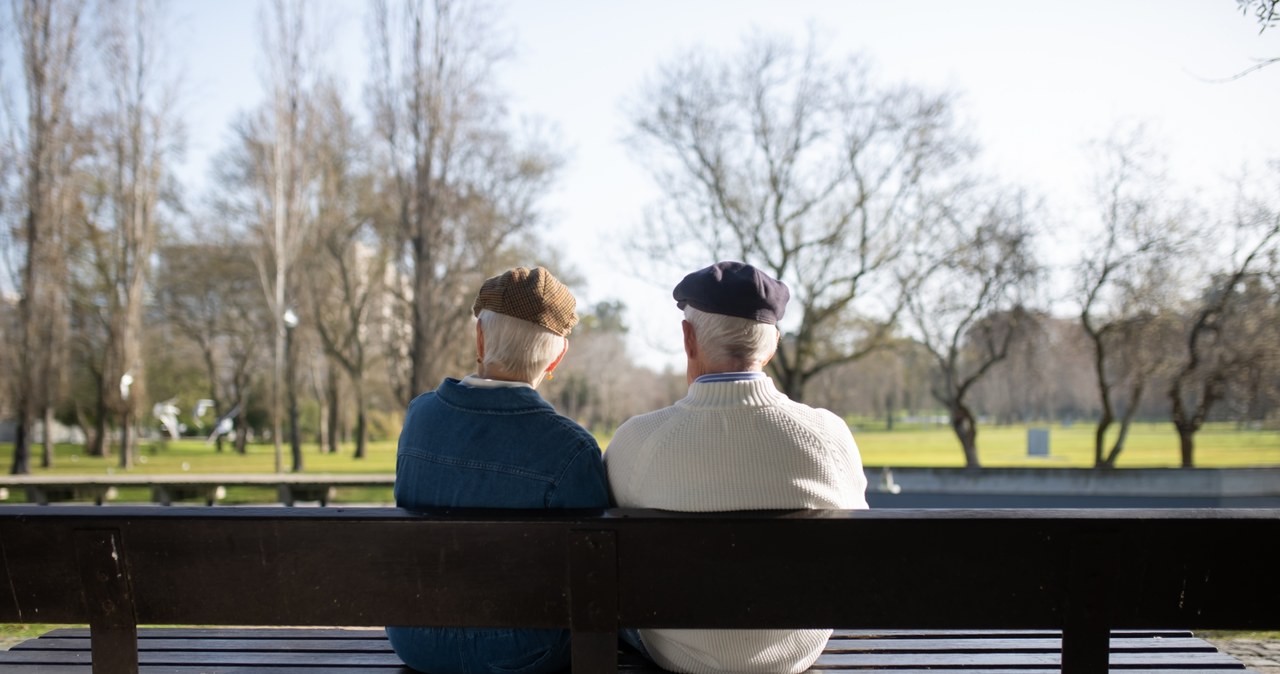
(1081, 571)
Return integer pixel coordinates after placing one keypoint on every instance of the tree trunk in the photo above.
(90, 439)
(101, 445)
(1135, 398)
(126, 440)
(46, 459)
(360, 419)
(1100, 439)
(1186, 425)
(22, 448)
(295, 437)
(1187, 446)
(967, 432)
(334, 413)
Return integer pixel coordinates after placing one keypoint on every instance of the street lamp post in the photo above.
(295, 442)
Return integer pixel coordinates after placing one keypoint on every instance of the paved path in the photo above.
(1259, 655)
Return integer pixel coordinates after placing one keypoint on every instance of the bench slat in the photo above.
(986, 634)
(222, 669)
(189, 644)
(233, 633)
(998, 643)
(1007, 659)
(243, 658)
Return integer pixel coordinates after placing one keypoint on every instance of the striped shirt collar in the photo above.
(729, 376)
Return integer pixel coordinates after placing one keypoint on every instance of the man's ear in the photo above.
(556, 363)
(690, 340)
(775, 351)
(479, 343)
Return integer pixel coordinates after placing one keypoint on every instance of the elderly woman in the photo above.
(490, 441)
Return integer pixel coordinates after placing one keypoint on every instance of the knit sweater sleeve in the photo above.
(850, 480)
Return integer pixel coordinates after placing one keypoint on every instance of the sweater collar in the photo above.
(729, 376)
(749, 393)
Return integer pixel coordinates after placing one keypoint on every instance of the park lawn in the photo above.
(1150, 445)
(195, 457)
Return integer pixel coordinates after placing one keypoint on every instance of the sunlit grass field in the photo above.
(1149, 445)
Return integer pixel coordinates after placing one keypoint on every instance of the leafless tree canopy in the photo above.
(972, 301)
(805, 167)
(1127, 278)
(463, 186)
(916, 287)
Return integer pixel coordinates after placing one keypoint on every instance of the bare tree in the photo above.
(1124, 282)
(1225, 337)
(351, 263)
(802, 166)
(45, 149)
(209, 293)
(267, 182)
(288, 180)
(462, 188)
(136, 136)
(973, 304)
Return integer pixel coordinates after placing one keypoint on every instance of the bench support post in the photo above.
(1086, 632)
(593, 601)
(108, 597)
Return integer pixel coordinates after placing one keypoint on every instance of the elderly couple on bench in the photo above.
(733, 443)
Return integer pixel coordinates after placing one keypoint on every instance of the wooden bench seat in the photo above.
(1080, 574)
(366, 651)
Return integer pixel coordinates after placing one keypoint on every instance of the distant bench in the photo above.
(890, 574)
(167, 489)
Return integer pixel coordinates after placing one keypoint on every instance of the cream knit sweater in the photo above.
(739, 445)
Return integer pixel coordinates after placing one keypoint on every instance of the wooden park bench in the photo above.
(979, 590)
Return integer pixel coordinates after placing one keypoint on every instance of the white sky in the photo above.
(1037, 81)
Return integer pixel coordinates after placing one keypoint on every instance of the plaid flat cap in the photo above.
(532, 295)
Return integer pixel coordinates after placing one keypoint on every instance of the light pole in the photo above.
(295, 443)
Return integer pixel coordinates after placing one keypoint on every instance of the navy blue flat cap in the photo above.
(734, 289)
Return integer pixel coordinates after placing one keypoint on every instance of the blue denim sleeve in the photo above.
(583, 483)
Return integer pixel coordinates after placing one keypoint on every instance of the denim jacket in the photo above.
(469, 447)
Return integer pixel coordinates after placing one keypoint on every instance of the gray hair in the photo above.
(737, 344)
(518, 347)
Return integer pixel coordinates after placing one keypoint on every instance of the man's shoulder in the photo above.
(639, 429)
(821, 414)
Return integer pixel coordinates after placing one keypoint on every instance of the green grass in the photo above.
(1149, 445)
(195, 457)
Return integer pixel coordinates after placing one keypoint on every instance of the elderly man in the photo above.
(490, 441)
(733, 443)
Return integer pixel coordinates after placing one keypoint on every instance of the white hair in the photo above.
(518, 347)
(736, 344)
